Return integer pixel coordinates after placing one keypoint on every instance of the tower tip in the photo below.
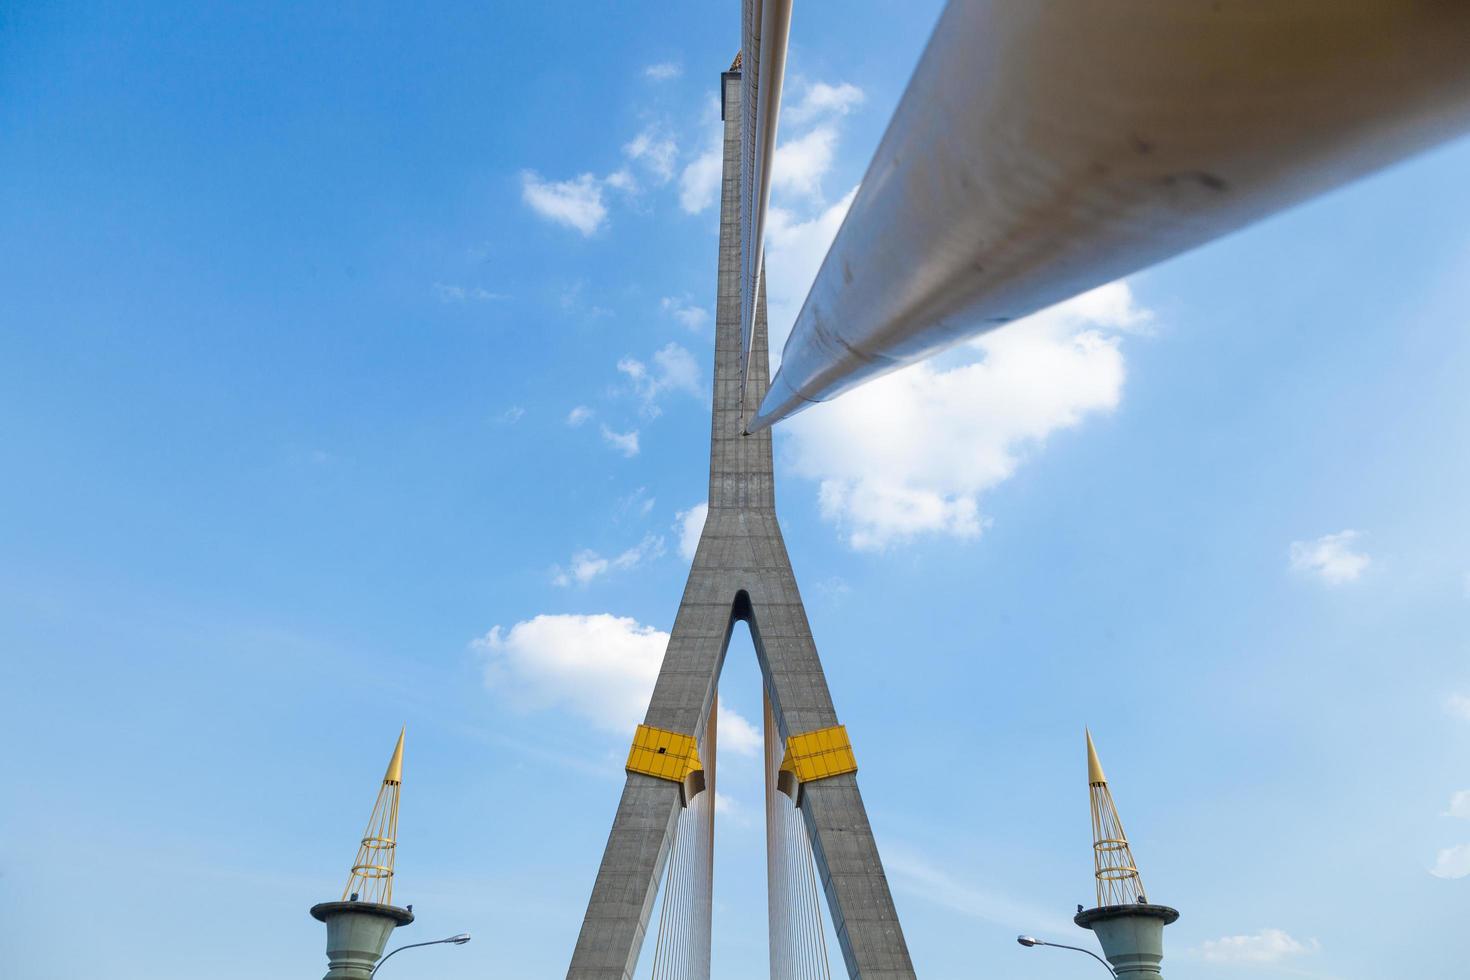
(1094, 765)
(372, 872)
(395, 764)
(1113, 866)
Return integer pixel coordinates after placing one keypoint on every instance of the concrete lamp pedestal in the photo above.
(1132, 937)
(357, 932)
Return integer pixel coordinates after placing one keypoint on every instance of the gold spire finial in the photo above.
(1118, 882)
(371, 879)
(1094, 766)
(395, 764)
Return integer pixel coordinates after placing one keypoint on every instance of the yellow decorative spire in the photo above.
(1094, 765)
(371, 879)
(395, 764)
(1118, 882)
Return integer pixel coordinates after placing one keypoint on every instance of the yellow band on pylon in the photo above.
(663, 754)
(819, 754)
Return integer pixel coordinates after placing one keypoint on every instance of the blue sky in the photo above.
(354, 372)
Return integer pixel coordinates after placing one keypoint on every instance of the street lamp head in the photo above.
(1029, 941)
(459, 940)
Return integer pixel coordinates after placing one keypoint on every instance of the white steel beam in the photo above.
(1044, 147)
(765, 26)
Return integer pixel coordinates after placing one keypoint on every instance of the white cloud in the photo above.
(737, 734)
(654, 150)
(674, 369)
(834, 586)
(732, 809)
(636, 370)
(622, 180)
(1459, 706)
(690, 525)
(1460, 805)
(600, 668)
(1452, 862)
(450, 293)
(911, 453)
(573, 299)
(576, 203)
(579, 204)
(821, 99)
(663, 71)
(513, 414)
(579, 415)
(801, 163)
(638, 502)
(681, 309)
(587, 565)
(1331, 558)
(677, 369)
(699, 183)
(624, 442)
(1266, 946)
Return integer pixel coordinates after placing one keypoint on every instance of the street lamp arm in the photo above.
(1033, 941)
(457, 940)
(401, 949)
(1105, 964)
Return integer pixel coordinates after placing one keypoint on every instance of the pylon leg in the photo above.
(741, 571)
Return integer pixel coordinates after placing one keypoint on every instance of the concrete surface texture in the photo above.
(741, 571)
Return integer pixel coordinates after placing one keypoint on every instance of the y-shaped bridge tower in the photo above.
(741, 572)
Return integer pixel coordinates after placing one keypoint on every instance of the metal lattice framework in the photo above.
(371, 879)
(1118, 882)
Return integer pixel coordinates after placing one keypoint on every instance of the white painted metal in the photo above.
(1048, 146)
(765, 27)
